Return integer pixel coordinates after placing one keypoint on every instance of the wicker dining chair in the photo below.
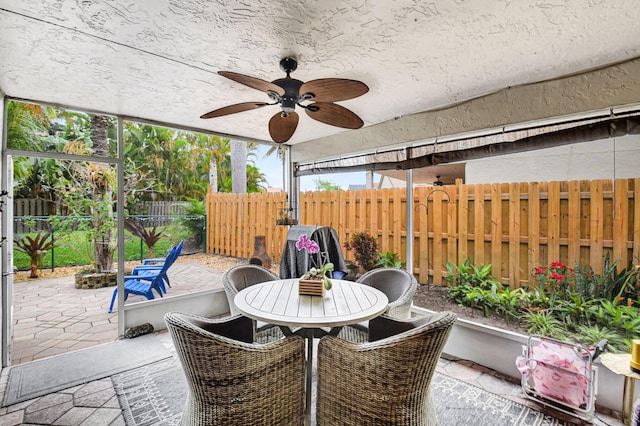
(232, 381)
(399, 286)
(240, 277)
(384, 381)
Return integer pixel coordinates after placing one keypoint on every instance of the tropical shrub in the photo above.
(150, 237)
(35, 247)
(195, 211)
(544, 324)
(365, 247)
(389, 260)
(471, 275)
(570, 304)
(556, 279)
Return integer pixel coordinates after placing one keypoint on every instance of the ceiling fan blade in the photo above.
(333, 89)
(255, 83)
(334, 115)
(281, 128)
(232, 109)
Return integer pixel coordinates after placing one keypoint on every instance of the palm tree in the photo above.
(103, 178)
(238, 167)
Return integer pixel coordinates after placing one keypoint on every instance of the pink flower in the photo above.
(304, 243)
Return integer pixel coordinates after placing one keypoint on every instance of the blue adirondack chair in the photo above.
(143, 285)
(160, 266)
(157, 262)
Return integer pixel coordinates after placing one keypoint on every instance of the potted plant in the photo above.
(287, 217)
(365, 247)
(315, 281)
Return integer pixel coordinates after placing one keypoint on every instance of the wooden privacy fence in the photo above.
(234, 220)
(515, 227)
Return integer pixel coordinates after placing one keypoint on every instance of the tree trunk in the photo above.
(213, 175)
(238, 167)
(34, 271)
(102, 212)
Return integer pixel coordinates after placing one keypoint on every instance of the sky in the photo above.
(272, 168)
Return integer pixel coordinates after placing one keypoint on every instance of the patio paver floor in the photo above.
(66, 322)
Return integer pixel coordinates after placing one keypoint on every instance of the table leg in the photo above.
(309, 372)
(627, 400)
(285, 330)
(335, 331)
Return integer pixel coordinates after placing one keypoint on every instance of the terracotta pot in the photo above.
(260, 256)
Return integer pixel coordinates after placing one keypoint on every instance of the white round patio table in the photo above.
(278, 302)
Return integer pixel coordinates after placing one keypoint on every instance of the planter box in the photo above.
(311, 287)
(498, 349)
(97, 280)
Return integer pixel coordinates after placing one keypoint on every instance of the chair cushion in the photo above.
(238, 327)
(385, 326)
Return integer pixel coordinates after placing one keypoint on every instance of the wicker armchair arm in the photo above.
(401, 308)
(231, 292)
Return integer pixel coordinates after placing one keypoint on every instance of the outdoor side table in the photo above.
(619, 364)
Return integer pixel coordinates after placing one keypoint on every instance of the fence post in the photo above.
(53, 251)
(204, 233)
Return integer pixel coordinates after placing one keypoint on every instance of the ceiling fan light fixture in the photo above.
(288, 104)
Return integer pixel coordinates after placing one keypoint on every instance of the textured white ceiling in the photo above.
(157, 59)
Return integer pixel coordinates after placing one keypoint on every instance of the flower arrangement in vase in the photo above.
(315, 280)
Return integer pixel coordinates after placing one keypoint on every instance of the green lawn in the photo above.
(74, 248)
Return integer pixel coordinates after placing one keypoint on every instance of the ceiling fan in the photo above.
(438, 182)
(289, 93)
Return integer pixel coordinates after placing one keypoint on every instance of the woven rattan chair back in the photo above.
(235, 383)
(399, 286)
(385, 382)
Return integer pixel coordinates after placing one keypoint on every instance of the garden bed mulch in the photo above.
(436, 298)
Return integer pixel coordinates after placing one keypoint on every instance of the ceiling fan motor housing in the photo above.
(291, 88)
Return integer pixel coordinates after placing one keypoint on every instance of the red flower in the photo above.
(629, 302)
(557, 264)
(539, 271)
(557, 277)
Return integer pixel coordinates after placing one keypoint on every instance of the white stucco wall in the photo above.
(602, 159)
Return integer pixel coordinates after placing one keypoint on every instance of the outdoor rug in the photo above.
(37, 378)
(156, 394)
